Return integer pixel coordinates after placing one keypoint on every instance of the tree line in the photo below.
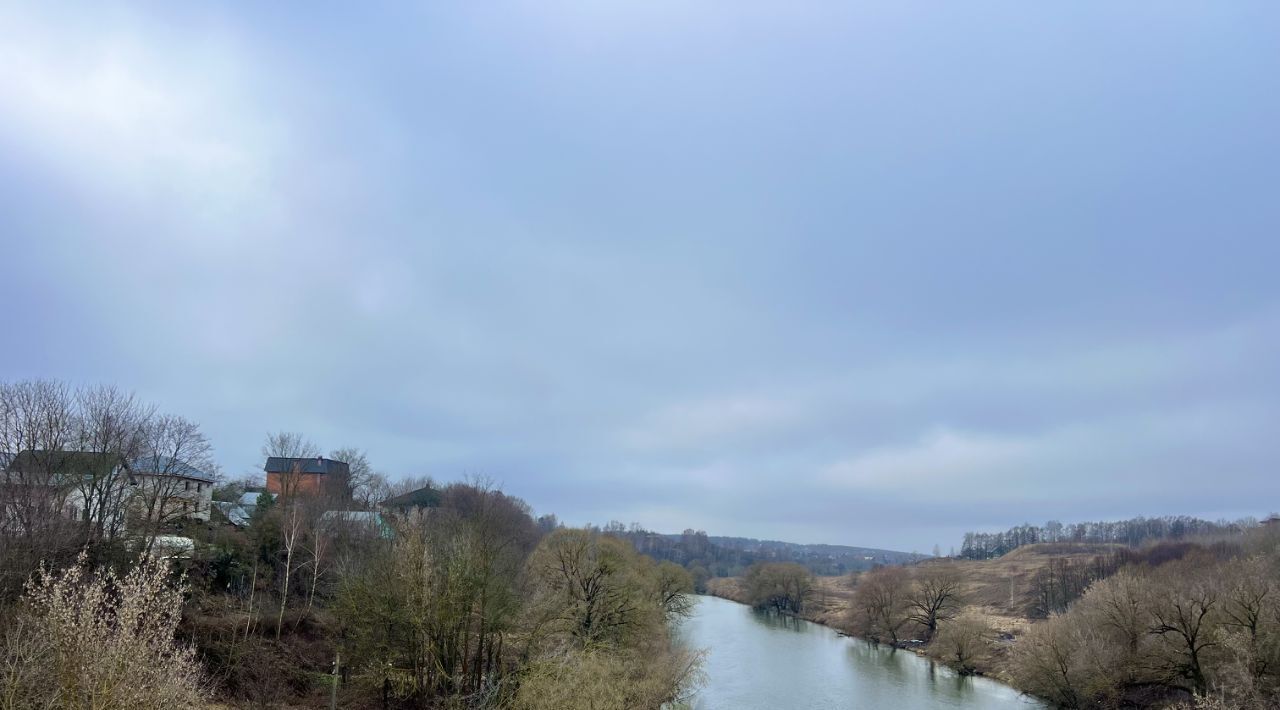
(1132, 532)
(1202, 626)
(692, 550)
(706, 557)
(1191, 623)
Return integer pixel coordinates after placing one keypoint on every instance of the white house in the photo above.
(168, 489)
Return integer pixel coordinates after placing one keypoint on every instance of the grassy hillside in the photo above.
(1001, 588)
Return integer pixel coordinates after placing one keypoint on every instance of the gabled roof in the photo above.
(237, 515)
(166, 466)
(318, 464)
(65, 463)
(427, 497)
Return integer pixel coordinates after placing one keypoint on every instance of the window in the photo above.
(199, 487)
(186, 485)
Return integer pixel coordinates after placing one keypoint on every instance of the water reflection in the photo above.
(767, 660)
(777, 620)
(887, 659)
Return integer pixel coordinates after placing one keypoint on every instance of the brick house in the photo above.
(310, 476)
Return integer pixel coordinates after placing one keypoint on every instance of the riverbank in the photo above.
(999, 593)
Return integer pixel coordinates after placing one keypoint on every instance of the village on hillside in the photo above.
(153, 501)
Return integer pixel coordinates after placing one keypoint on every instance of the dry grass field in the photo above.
(1000, 588)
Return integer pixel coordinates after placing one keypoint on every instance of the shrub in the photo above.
(92, 639)
(965, 642)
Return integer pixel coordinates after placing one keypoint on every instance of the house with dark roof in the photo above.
(81, 485)
(168, 489)
(63, 467)
(306, 476)
(420, 499)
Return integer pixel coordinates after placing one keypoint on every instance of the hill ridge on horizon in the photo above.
(735, 542)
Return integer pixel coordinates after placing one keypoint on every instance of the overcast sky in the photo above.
(871, 273)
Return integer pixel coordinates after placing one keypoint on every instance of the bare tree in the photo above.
(673, 587)
(38, 421)
(359, 473)
(1116, 608)
(111, 433)
(1249, 596)
(587, 577)
(966, 642)
(376, 490)
(1184, 612)
(172, 448)
(409, 484)
(289, 445)
(318, 548)
(1050, 662)
(291, 532)
(880, 603)
(782, 586)
(934, 596)
(37, 425)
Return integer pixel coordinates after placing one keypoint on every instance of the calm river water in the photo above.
(758, 661)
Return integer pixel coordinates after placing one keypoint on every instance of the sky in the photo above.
(870, 273)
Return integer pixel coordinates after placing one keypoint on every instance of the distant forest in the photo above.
(1132, 532)
(714, 556)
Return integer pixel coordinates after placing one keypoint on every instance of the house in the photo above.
(240, 513)
(426, 497)
(87, 486)
(166, 489)
(306, 476)
(1271, 520)
(234, 514)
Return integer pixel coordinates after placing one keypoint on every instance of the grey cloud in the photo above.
(828, 274)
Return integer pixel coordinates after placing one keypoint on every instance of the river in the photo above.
(759, 661)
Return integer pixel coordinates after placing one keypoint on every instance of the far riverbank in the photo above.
(832, 598)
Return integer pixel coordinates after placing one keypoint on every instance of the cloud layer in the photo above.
(863, 275)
